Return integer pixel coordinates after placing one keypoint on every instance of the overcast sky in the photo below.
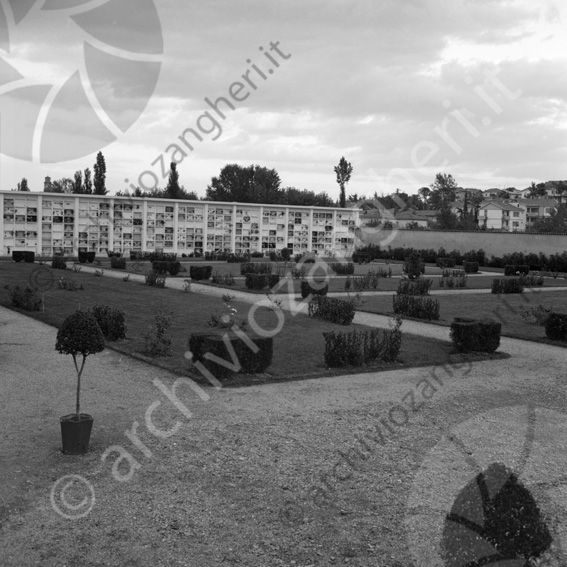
(401, 88)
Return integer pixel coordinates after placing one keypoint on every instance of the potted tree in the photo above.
(79, 334)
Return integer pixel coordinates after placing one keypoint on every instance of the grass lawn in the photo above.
(298, 347)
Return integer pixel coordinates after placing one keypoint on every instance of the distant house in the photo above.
(412, 219)
(470, 191)
(500, 215)
(536, 209)
(494, 194)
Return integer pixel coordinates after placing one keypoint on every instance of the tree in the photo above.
(442, 191)
(536, 190)
(343, 171)
(555, 222)
(446, 220)
(88, 182)
(78, 183)
(252, 184)
(100, 175)
(173, 190)
(23, 185)
(63, 185)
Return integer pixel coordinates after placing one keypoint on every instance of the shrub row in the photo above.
(255, 268)
(501, 285)
(24, 297)
(111, 321)
(453, 281)
(340, 311)
(342, 269)
(313, 287)
(475, 335)
(209, 349)
(361, 283)
(152, 256)
(357, 348)
(556, 326)
(59, 263)
(171, 267)
(200, 272)
(416, 306)
(117, 263)
(85, 257)
(531, 280)
(471, 267)
(414, 287)
(261, 281)
(23, 256)
(513, 269)
(227, 279)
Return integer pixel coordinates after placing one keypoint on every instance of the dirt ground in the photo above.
(351, 470)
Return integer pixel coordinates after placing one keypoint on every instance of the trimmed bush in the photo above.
(261, 281)
(471, 267)
(556, 327)
(513, 269)
(340, 311)
(342, 269)
(29, 256)
(413, 266)
(118, 263)
(198, 273)
(358, 348)
(416, 306)
(501, 285)
(313, 288)
(473, 335)
(82, 256)
(59, 263)
(91, 257)
(286, 254)
(208, 348)
(415, 287)
(24, 297)
(17, 255)
(111, 321)
(453, 281)
(174, 267)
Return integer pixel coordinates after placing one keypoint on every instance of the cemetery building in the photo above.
(60, 223)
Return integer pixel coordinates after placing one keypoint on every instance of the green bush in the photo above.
(414, 287)
(453, 281)
(261, 281)
(471, 267)
(475, 335)
(536, 315)
(17, 255)
(59, 263)
(501, 285)
(153, 279)
(174, 267)
(91, 257)
(157, 337)
(416, 306)
(198, 273)
(556, 327)
(530, 280)
(82, 256)
(218, 278)
(342, 269)
(24, 297)
(445, 262)
(413, 266)
(313, 287)
(340, 311)
(358, 348)
(111, 321)
(247, 361)
(516, 269)
(117, 263)
(79, 334)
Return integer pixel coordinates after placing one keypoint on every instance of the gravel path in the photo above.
(235, 484)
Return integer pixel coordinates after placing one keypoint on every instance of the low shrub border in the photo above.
(340, 311)
(556, 326)
(226, 355)
(414, 287)
(200, 272)
(501, 285)
(475, 335)
(416, 306)
(261, 281)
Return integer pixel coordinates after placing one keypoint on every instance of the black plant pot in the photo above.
(76, 433)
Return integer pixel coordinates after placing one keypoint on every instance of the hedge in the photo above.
(200, 272)
(471, 267)
(261, 281)
(59, 263)
(513, 269)
(313, 288)
(342, 269)
(110, 320)
(246, 361)
(255, 268)
(414, 287)
(475, 335)
(556, 326)
(340, 311)
(501, 285)
(416, 306)
(445, 262)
